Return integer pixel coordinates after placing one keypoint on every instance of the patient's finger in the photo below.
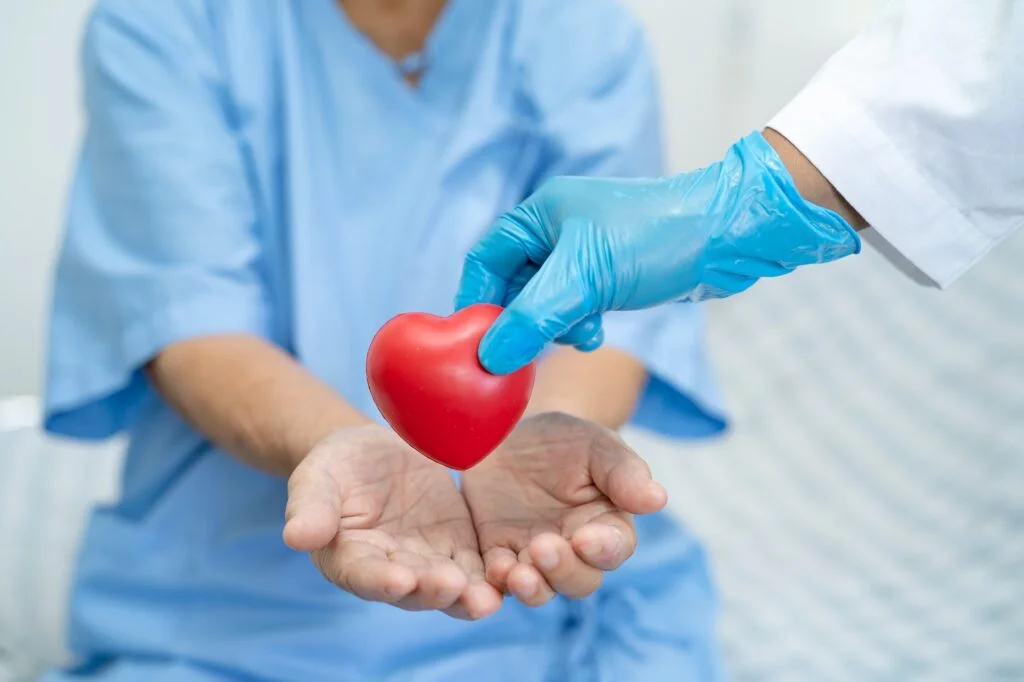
(480, 598)
(363, 569)
(527, 585)
(625, 477)
(439, 585)
(562, 569)
(606, 541)
(313, 512)
(499, 562)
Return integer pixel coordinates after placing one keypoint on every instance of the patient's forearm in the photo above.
(602, 386)
(812, 185)
(250, 398)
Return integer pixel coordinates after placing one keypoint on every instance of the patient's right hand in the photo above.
(388, 525)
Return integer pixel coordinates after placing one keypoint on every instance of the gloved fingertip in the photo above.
(499, 359)
(593, 343)
(511, 344)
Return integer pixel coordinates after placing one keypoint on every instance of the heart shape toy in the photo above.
(428, 383)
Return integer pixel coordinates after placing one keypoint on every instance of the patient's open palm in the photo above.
(386, 524)
(553, 507)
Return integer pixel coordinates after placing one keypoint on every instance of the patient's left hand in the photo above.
(553, 507)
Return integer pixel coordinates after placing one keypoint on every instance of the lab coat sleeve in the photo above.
(919, 124)
(594, 89)
(159, 243)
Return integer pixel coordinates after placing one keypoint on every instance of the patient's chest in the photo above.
(367, 193)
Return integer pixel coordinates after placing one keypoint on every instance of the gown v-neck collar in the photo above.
(440, 54)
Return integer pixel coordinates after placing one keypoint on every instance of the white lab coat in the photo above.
(919, 123)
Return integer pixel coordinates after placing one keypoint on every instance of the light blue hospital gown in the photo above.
(259, 167)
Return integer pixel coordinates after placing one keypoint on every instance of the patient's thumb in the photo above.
(312, 512)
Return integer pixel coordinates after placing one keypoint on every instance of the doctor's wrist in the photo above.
(810, 183)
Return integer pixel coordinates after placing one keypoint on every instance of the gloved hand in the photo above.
(580, 246)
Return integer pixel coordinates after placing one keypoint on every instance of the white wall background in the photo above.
(727, 66)
(39, 127)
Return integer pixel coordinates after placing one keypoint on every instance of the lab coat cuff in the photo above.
(845, 143)
(681, 398)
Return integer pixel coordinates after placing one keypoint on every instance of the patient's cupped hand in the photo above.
(388, 525)
(554, 505)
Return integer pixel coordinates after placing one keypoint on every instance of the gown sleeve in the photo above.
(160, 243)
(594, 87)
(919, 123)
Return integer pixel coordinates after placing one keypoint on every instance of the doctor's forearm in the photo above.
(812, 185)
(250, 398)
(602, 386)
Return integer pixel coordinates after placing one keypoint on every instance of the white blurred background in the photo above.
(866, 514)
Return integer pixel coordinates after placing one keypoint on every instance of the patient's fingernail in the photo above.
(590, 546)
(529, 588)
(612, 545)
(547, 558)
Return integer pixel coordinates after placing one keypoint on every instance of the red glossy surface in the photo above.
(427, 382)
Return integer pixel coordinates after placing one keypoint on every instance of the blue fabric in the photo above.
(260, 168)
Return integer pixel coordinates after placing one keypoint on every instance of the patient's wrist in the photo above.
(336, 418)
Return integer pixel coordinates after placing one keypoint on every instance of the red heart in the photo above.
(426, 380)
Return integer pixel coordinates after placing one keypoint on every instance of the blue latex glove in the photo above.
(580, 246)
